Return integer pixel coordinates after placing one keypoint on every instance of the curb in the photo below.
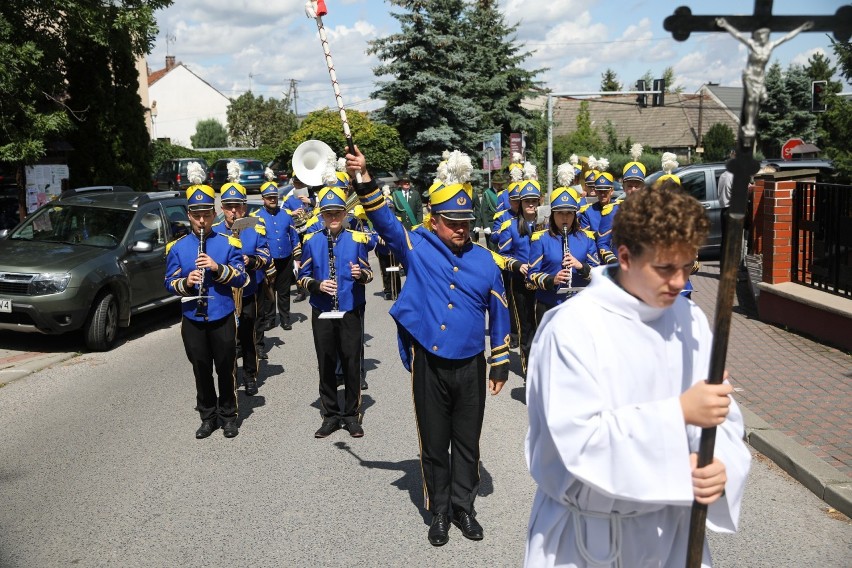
(825, 481)
(38, 362)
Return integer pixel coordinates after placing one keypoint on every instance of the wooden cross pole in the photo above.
(743, 166)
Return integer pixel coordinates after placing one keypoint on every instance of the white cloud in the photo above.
(802, 58)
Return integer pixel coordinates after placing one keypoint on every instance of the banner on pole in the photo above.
(492, 153)
(516, 143)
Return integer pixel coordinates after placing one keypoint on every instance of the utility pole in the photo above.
(292, 91)
(698, 142)
(250, 77)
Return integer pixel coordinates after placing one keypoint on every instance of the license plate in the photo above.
(254, 177)
(5, 305)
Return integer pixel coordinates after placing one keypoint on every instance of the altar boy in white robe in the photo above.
(612, 440)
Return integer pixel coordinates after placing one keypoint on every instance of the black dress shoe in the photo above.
(230, 429)
(439, 530)
(261, 354)
(251, 386)
(286, 325)
(207, 427)
(300, 297)
(468, 525)
(364, 384)
(329, 426)
(387, 295)
(354, 429)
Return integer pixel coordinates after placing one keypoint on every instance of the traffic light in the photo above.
(641, 98)
(818, 92)
(658, 99)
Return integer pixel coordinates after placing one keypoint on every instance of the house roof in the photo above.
(160, 73)
(157, 75)
(730, 97)
(672, 126)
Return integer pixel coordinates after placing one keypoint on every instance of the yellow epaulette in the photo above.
(607, 209)
(254, 214)
(584, 207)
(235, 242)
(499, 260)
(170, 244)
(537, 235)
(497, 215)
(359, 236)
(505, 225)
(307, 237)
(260, 228)
(590, 234)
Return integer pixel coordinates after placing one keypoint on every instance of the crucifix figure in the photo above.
(754, 75)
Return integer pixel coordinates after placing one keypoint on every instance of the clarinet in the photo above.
(565, 251)
(332, 271)
(200, 307)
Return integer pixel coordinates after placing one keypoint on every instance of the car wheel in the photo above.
(102, 327)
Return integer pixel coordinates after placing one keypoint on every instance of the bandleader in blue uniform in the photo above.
(451, 285)
(252, 245)
(556, 275)
(206, 273)
(344, 251)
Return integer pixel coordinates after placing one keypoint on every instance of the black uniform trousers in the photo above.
(507, 285)
(283, 281)
(541, 309)
(247, 335)
(391, 281)
(208, 344)
(449, 403)
(524, 303)
(339, 339)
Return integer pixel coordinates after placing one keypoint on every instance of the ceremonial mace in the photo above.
(743, 166)
(316, 9)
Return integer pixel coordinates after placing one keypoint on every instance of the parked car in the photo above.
(89, 261)
(701, 181)
(279, 167)
(171, 175)
(251, 174)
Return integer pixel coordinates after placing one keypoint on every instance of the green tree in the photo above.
(718, 141)
(670, 79)
(254, 122)
(585, 139)
(786, 111)
(209, 133)
(609, 81)
(836, 121)
(456, 78)
(379, 142)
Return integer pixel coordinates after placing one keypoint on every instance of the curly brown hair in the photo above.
(660, 218)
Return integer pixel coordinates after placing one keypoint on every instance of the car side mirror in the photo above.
(4, 233)
(141, 246)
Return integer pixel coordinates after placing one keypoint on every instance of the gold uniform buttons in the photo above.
(450, 306)
(455, 269)
(452, 286)
(443, 327)
(434, 348)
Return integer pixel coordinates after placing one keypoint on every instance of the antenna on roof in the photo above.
(170, 40)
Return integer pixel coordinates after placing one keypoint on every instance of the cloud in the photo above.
(802, 58)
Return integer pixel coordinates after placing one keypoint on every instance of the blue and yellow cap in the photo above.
(529, 188)
(664, 177)
(233, 192)
(564, 199)
(331, 197)
(433, 188)
(200, 197)
(453, 201)
(591, 177)
(514, 190)
(269, 188)
(604, 182)
(633, 170)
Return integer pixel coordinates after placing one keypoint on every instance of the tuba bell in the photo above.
(309, 161)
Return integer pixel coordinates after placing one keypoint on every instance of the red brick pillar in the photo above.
(778, 230)
(756, 214)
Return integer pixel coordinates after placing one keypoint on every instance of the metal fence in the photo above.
(822, 237)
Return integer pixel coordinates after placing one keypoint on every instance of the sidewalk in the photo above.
(796, 395)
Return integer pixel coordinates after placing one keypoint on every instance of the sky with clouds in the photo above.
(261, 45)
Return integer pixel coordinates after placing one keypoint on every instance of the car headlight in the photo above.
(49, 283)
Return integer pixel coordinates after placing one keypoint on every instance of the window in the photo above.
(695, 185)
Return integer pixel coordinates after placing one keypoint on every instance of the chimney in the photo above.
(170, 62)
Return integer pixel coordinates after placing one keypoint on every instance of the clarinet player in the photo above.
(334, 271)
(203, 268)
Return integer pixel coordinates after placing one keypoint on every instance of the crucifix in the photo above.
(761, 24)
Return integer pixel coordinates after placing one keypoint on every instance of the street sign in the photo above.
(787, 148)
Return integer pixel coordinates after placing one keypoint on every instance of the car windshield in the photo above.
(252, 166)
(75, 224)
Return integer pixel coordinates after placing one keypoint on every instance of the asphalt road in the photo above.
(99, 467)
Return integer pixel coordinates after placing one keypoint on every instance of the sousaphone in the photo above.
(309, 161)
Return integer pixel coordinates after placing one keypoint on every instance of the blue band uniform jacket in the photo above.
(446, 296)
(598, 219)
(514, 247)
(280, 233)
(180, 261)
(349, 246)
(253, 244)
(546, 260)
